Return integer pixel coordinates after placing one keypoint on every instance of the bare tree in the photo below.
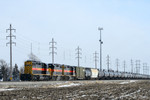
(4, 70)
(22, 70)
(33, 57)
(15, 73)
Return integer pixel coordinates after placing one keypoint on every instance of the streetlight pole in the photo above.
(99, 28)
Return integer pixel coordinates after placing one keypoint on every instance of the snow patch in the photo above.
(6, 89)
(127, 82)
(69, 85)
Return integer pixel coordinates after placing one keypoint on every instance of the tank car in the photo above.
(101, 74)
(106, 75)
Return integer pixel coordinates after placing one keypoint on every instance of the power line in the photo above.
(53, 49)
(10, 36)
(78, 55)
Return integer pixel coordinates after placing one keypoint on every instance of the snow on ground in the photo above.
(131, 81)
(69, 85)
(7, 89)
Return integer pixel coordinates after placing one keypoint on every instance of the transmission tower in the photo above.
(117, 64)
(52, 43)
(145, 68)
(78, 55)
(10, 42)
(138, 66)
(132, 66)
(108, 62)
(124, 65)
(95, 58)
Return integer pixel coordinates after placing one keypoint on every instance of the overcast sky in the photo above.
(75, 23)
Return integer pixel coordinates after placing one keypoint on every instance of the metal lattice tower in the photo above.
(108, 62)
(79, 55)
(132, 66)
(138, 66)
(10, 42)
(95, 58)
(117, 64)
(124, 65)
(101, 42)
(145, 68)
(52, 43)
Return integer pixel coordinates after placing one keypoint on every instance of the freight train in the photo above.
(36, 70)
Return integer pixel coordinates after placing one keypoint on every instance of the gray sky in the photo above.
(75, 23)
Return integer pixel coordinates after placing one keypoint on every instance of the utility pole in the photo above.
(96, 58)
(53, 49)
(124, 65)
(78, 55)
(108, 62)
(101, 42)
(131, 66)
(138, 66)
(117, 64)
(10, 42)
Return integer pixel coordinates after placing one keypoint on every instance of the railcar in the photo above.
(106, 75)
(95, 73)
(119, 75)
(88, 73)
(111, 74)
(61, 72)
(101, 74)
(116, 75)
